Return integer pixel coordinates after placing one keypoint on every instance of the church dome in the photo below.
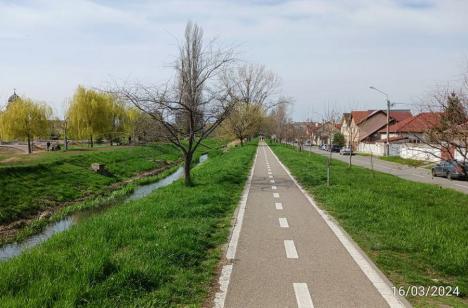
(13, 97)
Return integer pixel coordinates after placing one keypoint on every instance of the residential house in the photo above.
(324, 133)
(364, 126)
(412, 129)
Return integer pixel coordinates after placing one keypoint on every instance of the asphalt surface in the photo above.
(422, 175)
(288, 255)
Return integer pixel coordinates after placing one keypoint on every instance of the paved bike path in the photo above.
(290, 254)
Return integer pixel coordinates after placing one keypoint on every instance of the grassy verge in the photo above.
(160, 251)
(404, 161)
(416, 233)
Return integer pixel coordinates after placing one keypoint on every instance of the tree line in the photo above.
(211, 92)
(90, 115)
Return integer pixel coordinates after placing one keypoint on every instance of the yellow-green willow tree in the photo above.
(25, 119)
(118, 117)
(89, 114)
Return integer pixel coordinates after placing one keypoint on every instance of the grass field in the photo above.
(416, 233)
(405, 161)
(160, 251)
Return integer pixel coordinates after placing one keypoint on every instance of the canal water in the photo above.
(14, 249)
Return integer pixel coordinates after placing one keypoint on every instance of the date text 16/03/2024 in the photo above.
(426, 291)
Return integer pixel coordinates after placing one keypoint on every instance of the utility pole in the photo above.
(387, 148)
(388, 125)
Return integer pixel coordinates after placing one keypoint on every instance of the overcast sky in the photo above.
(326, 52)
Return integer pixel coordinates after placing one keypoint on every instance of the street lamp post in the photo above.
(387, 150)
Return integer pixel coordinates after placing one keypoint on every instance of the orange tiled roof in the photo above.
(416, 124)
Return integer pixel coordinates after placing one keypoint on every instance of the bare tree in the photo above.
(449, 133)
(351, 134)
(280, 118)
(193, 106)
(330, 120)
(300, 135)
(251, 86)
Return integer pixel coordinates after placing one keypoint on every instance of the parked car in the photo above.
(346, 151)
(335, 148)
(451, 169)
(323, 147)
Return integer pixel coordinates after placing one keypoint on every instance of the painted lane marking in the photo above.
(384, 288)
(274, 187)
(291, 252)
(278, 205)
(303, 298)
(275, 195)
(270, 176)
(283, 222)
(269, 172)
(272, 181)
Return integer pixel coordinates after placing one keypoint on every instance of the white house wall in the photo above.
(420, 153)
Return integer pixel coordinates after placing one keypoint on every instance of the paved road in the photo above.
(406, 172)
(291, 254)
(20, 147)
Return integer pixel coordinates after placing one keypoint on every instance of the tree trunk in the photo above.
(187, 169)
(91, 141)
(242, 141)
(329, 165)
(29, 145)
(65, 140)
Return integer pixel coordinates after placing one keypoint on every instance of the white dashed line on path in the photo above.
(279, 205)
(275, 195)
(283, 222)
(291, 252)
(273, 187)
(272, 181)
(304, 300)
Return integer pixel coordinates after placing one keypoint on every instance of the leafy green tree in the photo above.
(25, 119)
(339, 139)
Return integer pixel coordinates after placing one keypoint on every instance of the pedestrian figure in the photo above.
(48, 146)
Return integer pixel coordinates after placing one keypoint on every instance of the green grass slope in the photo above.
(160, 251)
(29, 187)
